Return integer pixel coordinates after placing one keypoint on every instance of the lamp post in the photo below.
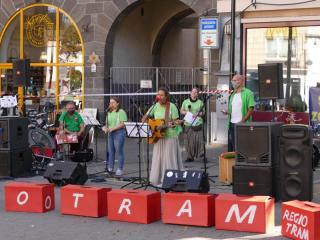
(232, 41)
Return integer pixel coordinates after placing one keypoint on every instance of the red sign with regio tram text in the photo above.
(245, 213)
(194, 209)
(301, 220)
(29, 197)
(134, 206)
(87, 201)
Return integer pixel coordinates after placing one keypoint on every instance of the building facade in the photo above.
(74, 44)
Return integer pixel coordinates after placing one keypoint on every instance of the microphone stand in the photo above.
(147, 182)
(203, 109)
(138, 179)
(205, 99)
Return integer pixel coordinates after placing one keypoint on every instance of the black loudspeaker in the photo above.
(21, 72)
(13, 133)
(63, 173)
(83, 156)
(270, 80)
(295, 181)
(257, 143)
(186, 181)
(15, 163)
(252, 180)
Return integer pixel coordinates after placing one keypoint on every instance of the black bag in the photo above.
(197, 128)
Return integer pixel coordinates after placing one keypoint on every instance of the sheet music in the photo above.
(190, 119)
(8, 101)
(133, 129)
(89, 116)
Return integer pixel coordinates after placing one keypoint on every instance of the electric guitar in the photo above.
(158, 128)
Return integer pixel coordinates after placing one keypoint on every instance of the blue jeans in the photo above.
(116, 145)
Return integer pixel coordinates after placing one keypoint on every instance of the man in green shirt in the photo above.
(240, 108)
(72, 123)
(194, 138)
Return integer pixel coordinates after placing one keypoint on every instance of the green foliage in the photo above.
(229, 155)
(75, 79)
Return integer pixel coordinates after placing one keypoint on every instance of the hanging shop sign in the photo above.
(39, 30)
(208, 32)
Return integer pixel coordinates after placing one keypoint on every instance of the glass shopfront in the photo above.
(297, 47)
(47, 36)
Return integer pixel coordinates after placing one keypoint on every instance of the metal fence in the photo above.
(138, 98)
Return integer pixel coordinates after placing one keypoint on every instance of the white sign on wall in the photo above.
(145, 83)
(208, 29)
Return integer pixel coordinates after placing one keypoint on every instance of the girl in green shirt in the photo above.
(116, 134)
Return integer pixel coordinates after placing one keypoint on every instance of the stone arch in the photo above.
(157, 44)
(97, 21)
(197, 6)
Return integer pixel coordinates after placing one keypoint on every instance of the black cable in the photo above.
(282, 4)
(243, 10)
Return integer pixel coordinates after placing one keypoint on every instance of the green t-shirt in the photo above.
(71, 123)
(195, 108)
(247, 99)
(114, 118)
(158, 112)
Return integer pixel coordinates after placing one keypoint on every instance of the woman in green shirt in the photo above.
(193, 134)
(166, 151)
(116, 134)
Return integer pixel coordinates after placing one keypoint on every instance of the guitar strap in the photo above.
(166, 114)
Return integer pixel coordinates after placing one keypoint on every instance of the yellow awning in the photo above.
(280, 32)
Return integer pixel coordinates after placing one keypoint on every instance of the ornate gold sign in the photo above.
(39, 30)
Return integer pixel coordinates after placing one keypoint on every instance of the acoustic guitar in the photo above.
(158, 128)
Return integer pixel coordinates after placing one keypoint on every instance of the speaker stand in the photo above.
(273, 101)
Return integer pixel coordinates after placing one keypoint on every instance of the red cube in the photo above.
(245, 213)
(87, 201)
(301, 220)
(134, 206)
(194, 209)
(29, 197)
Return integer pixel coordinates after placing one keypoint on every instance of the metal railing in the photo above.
(126, 82)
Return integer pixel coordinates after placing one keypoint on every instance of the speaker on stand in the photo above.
(21, 72)
(270, 82)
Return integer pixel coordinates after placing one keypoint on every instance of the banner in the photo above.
(314, 108)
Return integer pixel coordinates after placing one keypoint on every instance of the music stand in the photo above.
(137, 130)
(90, 119)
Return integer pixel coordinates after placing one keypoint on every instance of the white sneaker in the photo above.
(110, 170)
(119, 172)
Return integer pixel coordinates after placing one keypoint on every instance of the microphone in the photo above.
(156, 99)
(189, 106)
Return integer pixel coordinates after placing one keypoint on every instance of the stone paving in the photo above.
(53, 225)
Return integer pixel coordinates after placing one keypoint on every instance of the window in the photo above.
(300, 71)
(47, 36)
